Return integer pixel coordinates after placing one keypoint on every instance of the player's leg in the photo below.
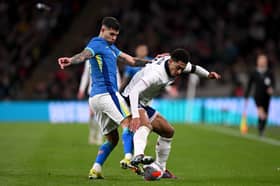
(109, 116)
(163, 146)
(127, 139)
(95, 135)
(262, 109)
(104, 150)
(140, 138)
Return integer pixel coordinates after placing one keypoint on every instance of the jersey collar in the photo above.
(166, 68)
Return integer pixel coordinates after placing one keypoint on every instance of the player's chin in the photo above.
(112, 41)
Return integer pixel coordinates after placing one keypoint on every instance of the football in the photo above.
(153, 172)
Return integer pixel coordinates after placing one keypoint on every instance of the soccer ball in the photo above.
(153, 172)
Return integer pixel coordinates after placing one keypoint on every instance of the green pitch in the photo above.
(46, 155)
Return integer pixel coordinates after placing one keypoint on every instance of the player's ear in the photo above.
(103, 28)
(170, 61)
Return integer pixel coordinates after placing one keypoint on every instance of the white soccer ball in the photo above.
(153, 172)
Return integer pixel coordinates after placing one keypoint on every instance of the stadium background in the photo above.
(224, 36)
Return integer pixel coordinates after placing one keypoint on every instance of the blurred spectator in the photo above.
(26, 34)
(217, 34)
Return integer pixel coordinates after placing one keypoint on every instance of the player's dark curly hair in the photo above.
(180, 54)
(111, 22)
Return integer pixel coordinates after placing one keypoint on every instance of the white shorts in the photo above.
(109, 110)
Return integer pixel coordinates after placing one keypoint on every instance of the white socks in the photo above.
(163, 147)
(128, 156)
(140, 140)
(97, 167)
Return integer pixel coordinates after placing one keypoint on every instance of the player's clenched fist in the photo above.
(64, 62)
(214, 75)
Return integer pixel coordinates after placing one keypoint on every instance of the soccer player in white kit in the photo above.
(144, 86)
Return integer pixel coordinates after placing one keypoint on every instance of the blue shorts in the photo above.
(151, 112)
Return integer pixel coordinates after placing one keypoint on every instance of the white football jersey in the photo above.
(155, 77)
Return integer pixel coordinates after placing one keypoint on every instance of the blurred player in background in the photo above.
(110, 108)
(263, 80)
(95, 135)
(141, 51)
(144, 86)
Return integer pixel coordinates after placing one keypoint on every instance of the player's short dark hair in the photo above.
(180, 54)
(111, 22)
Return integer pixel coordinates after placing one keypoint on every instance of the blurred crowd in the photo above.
(221, 35)
(26, 35)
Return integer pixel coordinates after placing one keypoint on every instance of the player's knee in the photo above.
(114, 143)
(113, 138)
(169, 133)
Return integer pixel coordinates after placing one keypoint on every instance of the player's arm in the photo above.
(202, 72)
(271, 89)
(249, 85)
(133, 61)
(76, 59)
(139, 87)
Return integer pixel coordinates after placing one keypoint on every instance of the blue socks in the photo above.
(127, 138)
(103, 153)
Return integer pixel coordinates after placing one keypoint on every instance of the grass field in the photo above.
(46, 155)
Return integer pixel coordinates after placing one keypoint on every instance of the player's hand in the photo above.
(134, 124)
(64, 62)
(214, 75)
(270, 90)
(80, 95)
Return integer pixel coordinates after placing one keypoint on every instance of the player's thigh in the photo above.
(162, 127)
(262, 106)
(144, 118)
(109, 112)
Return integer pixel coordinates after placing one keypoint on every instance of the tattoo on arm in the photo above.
(141, 62)
(81, 57)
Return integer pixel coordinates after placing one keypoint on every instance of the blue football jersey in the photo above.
(103, 66)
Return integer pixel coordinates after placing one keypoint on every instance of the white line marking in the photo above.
(235, 133)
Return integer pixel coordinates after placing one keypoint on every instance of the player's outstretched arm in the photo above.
(78, 58)
(202, 72)
(133, 61)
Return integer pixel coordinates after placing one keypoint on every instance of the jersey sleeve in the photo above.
(200, 71)
(116, 50)
(134, 97)
(93, 47)
(188, 68)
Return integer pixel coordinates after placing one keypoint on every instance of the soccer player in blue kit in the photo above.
(110, 108)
